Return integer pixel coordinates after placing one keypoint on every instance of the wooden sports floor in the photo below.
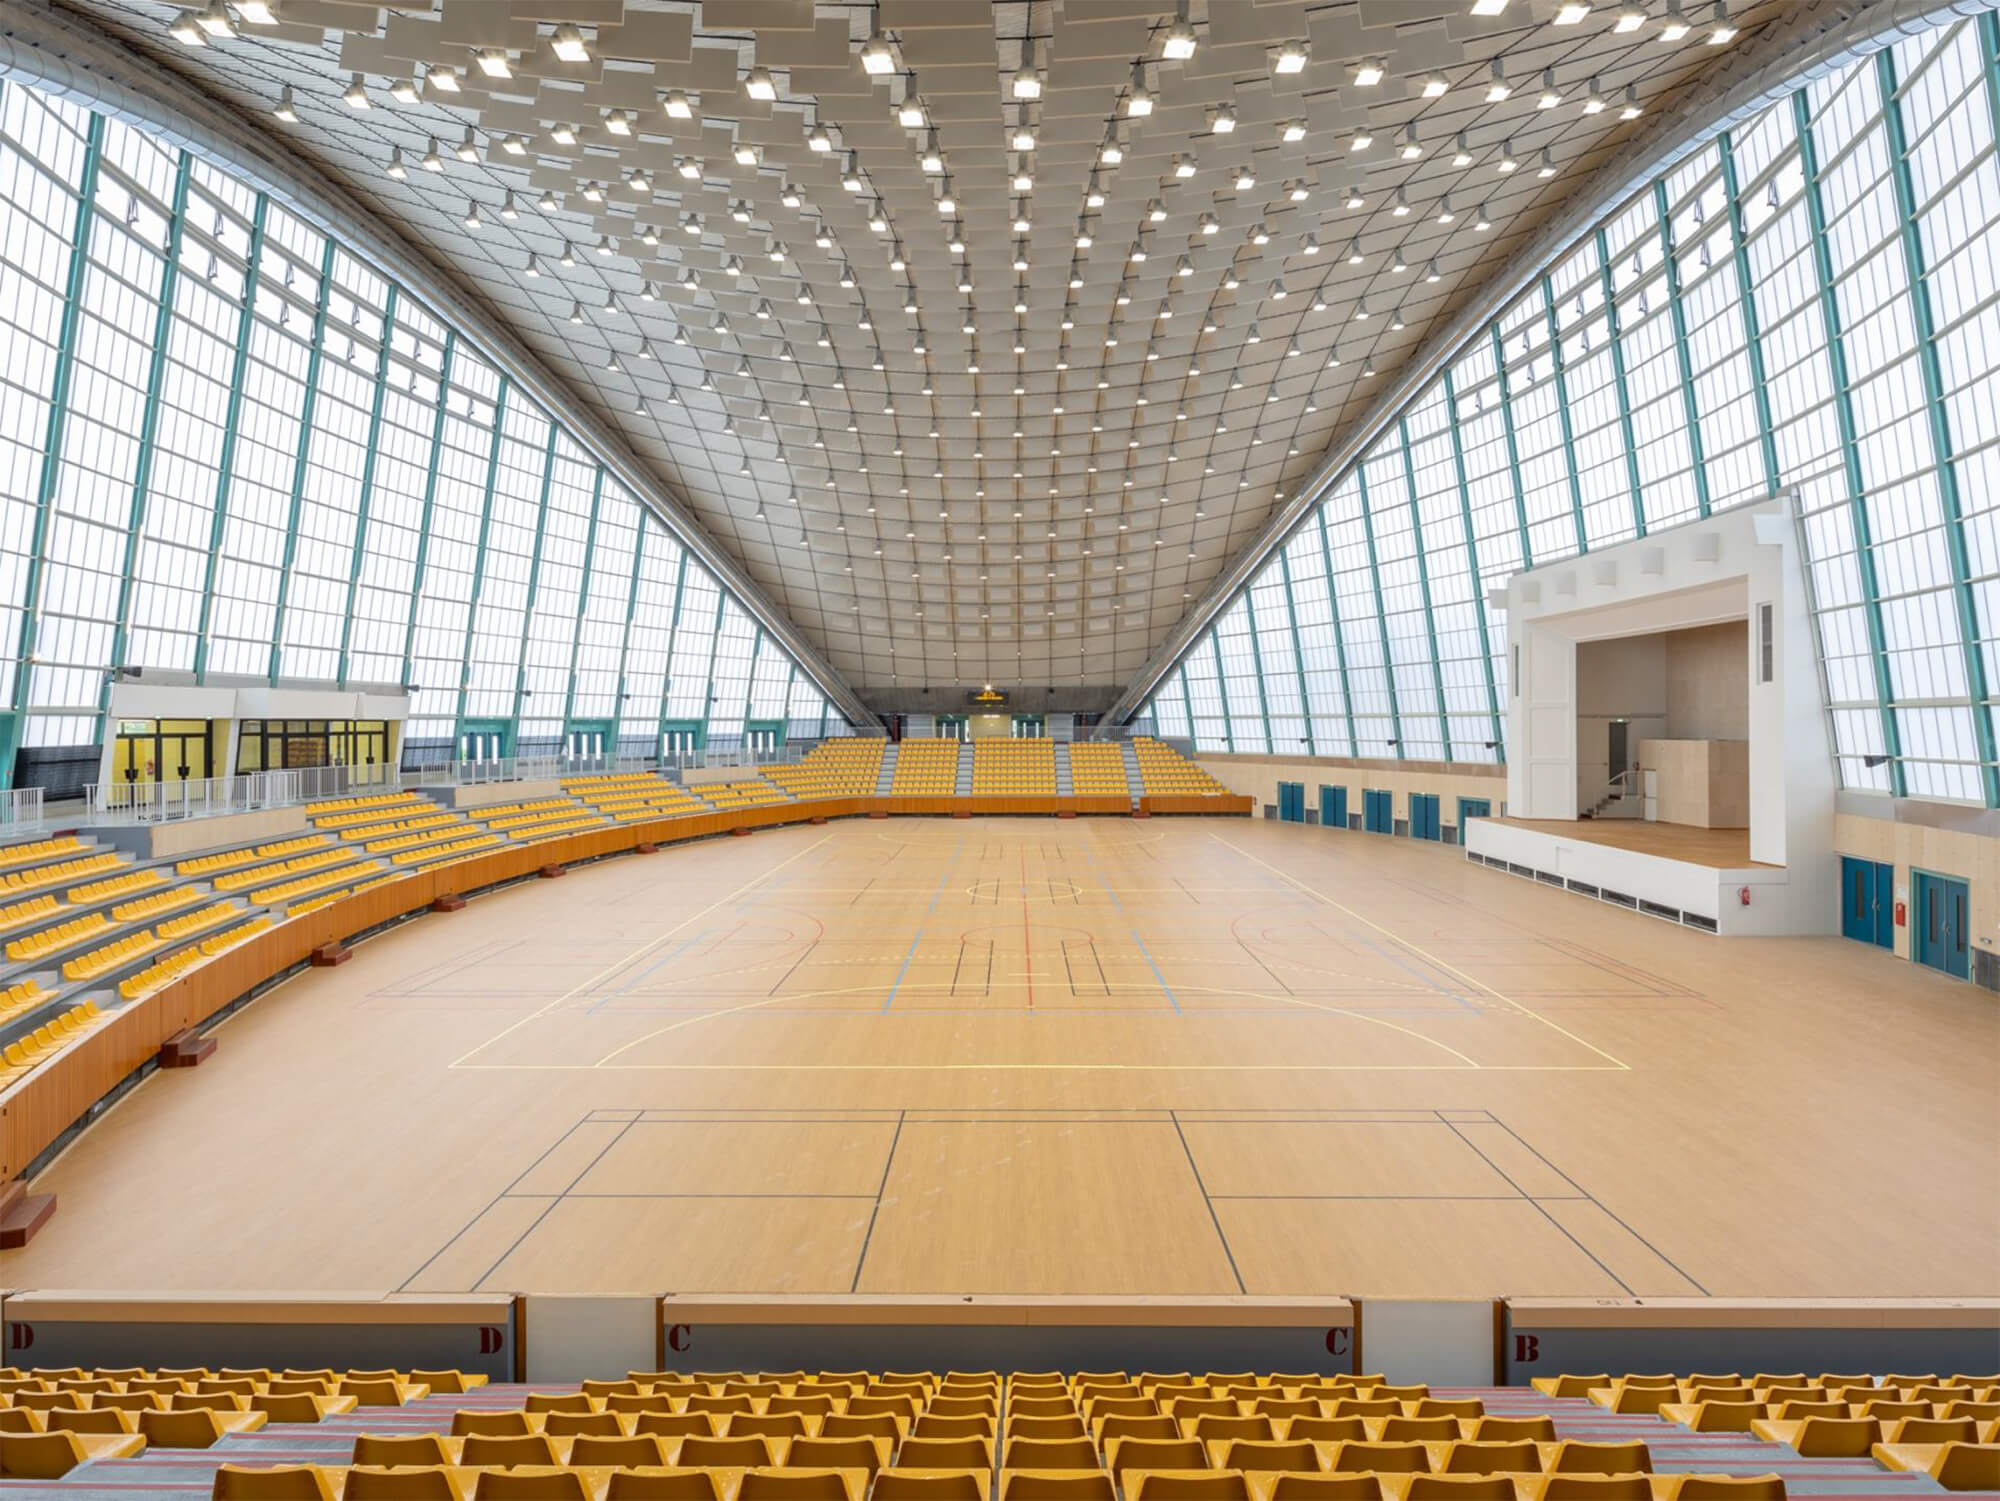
(1194, 1056)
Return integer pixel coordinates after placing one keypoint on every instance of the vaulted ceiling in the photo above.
(982, 335)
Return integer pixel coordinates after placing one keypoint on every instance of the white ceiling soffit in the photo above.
(1815, 38)
(1021, 461)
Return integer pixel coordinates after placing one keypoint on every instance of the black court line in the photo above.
(1596, 1260)
(1395, 1197)
(876, 1213)
(1213, 1218)
(1608, 1212)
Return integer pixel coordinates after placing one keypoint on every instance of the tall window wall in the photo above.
(231, 449)
(1639, 385)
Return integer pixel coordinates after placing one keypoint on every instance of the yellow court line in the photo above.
(1425, 955)
(638, 953)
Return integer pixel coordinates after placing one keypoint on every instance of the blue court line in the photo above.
(917, 937)
(672, 954)
(1159, 978)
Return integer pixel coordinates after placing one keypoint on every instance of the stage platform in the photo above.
(1699, 878)
(1719, 849)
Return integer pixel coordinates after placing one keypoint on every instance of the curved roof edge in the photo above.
(1829, 35)
(65, 57)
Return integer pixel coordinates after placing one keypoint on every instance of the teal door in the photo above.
(1470, 808)
(1378, 811)
(1868, 901)
(485, 739)
(1424, 816)
(1939, 937)
(682, 739)
(1292, 802)
(1332, 807)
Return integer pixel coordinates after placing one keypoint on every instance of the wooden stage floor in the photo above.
(1194, 1056)
(1719, 849)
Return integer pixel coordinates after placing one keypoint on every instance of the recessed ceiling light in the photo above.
(568, 44)
(1291, 58)
(493, 62)
(759, 84)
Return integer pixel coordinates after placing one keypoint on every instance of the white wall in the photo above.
(1701, 574)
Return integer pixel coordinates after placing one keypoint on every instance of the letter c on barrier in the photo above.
(679, 1336)
(1336, 1341)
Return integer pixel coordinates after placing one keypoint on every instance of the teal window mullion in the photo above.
(58, 420)
(1424, 587)
(1753, 337)
(750, 681)
(714, 648)
(1298, 651)
(1940, 425)
(420, 574)
(1683, 360)
(366, 503)
(1562, 414)
(1187, 706)
(301, 461)
(1843, 411)
(1381, 616)
(1472, 563)
(231, 424)
(1339, 636)
(149, 427)
(1614, 336)
(479, 556)
(583, 609)
(1506, 399)
(1222, 693)
(1257, 667)
(535, 577)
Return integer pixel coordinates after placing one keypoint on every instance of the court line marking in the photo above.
(915, 939)
(638, 953)
(1427, 956)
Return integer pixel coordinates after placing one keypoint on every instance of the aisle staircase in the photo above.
(1134, 778)
(887, 778)
(963, 786)
(1063, 785)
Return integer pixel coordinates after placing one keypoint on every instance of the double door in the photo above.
(1942, 921)
(1868, 901)
(1292, 802)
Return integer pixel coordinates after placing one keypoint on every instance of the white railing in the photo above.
(698, 760)
(204, 797)
(1621, 797)
(21, 808)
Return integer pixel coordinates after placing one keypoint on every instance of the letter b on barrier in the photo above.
(1527, 1349)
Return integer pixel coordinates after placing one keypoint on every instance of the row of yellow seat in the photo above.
(368, 801)
(749, 792)
(35, 851)
(201, 865)
(20, 998)
(368, 810)
(63, 935)
(341, 874)
(25, 1053)
(156, 904)
(39, 876)
(365, 834)
(447, 850)
(845, 767)
(116, 886)
(1014, 766)
(121, 950)
(297, 865)
(17, 913)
